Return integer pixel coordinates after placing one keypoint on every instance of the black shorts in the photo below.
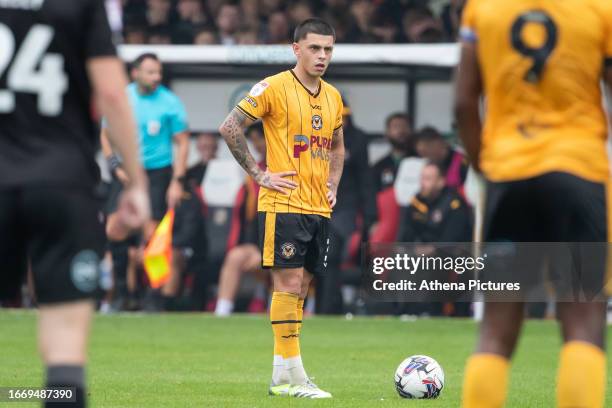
(294, 240)
(60, 231)
(566, 216)
(159, 181)
(554, 207)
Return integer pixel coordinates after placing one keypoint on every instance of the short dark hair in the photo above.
(147, 55)
(315, 26)
(398, 115)
(429, 134)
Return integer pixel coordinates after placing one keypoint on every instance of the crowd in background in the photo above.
(247, 22)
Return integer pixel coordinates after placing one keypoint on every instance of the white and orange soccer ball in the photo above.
(419, 377)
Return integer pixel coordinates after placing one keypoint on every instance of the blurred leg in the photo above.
(486, 373)
(237, 261)
(63, 331)
(583, 360)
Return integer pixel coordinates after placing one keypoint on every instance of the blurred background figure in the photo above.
(399, 134)
(356, 21)
(245, 257)
(228, 23)
(354, 212)
(431, 145)
(436, 214)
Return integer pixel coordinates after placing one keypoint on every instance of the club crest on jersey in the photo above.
(258, 88)
(317, 122)
(288, 250)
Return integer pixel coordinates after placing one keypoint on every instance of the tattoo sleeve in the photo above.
(336, 160)
(232, 131)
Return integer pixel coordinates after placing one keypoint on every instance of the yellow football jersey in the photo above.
(298, 127)
(542, 64)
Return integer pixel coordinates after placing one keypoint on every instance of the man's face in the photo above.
(207, 147)
(148, 75)
(434, 150)
(398, 132)
(432, 182)
(228, 19)
(314, 53)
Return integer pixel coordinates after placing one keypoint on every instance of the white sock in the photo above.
(280, 375)
(224, 307)
(297, 375)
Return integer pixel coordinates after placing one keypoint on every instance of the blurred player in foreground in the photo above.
(54, 59)
(302, 118)
(542, 150)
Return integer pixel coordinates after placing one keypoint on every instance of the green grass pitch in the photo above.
(195, 360)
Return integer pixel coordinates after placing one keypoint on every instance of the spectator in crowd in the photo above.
(267, 7)
(278, 29)
(299, 11)
(436, 214)
(135, 34)
(398, 132)
(207, 145)
(206, 35)
(191, 14)
(248, 37)
(160, 36)
(158, 13)
(246, 256)
(430, 144)
(361, 12)
(228, 23)
(189, 240)
(367, 21)
(250, 14)
(354, 210)
(420, 26)
(451, 18)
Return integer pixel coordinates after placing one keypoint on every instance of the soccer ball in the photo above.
(419, 377)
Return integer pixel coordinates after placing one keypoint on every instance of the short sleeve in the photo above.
(98, 38)
(340, 109)
(255, 104)
(468, 32)
(179, 118)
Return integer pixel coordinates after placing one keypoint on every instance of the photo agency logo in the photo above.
(499, 271)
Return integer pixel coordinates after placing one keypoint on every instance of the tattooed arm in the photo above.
(232, 130)
(336, 165)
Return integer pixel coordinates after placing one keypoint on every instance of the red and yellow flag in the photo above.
(158, 253)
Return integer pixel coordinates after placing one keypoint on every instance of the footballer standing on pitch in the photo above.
(302, 119)
(54, 61)
(543, 152)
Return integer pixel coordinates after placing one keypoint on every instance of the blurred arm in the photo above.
(468, 90)
(180, 164)
(336, 159)
(108, 80)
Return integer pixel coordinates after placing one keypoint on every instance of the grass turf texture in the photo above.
(187, 360)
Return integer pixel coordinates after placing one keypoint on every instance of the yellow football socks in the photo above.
(486, 381)
(300, 314)
(581, 379)
(284, 319)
